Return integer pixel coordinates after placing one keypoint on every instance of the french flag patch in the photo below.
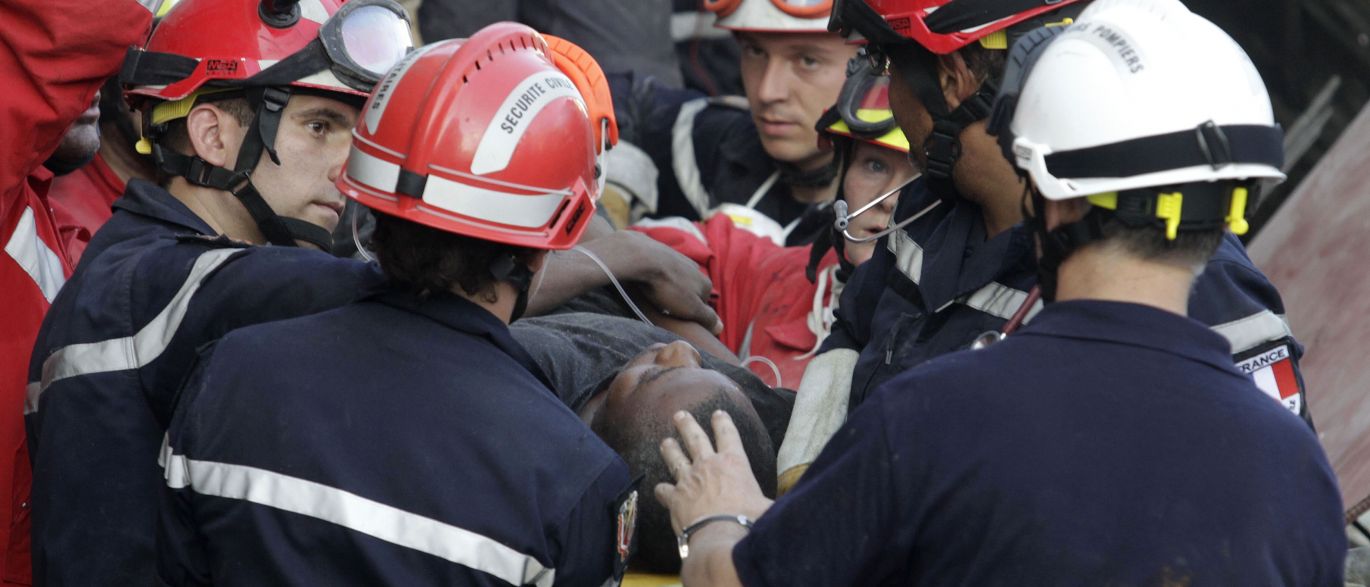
(1273, 371)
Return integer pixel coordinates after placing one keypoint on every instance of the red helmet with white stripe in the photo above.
(497, 138)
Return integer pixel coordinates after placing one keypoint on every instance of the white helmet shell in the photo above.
(766, 16)
(1129, 69)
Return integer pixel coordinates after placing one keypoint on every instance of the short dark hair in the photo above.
(1190, 249)
(176, 137)
(638, 441)
(425, 260)
(985, 64)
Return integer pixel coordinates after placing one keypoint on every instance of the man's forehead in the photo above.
(820, 42)
(321, 106)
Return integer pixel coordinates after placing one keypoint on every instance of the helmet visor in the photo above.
(365, 39)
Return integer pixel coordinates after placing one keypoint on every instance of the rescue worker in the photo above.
(966, 271)
(407, 439)
(761, 164)
(1109, 441)
(777, 302)
(247, 110)
(54, 55)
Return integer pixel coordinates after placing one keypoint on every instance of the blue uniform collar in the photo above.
(1132, 324)
(462, 315)
(958, 260)
(145, 198)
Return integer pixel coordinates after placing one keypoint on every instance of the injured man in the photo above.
(626, 378)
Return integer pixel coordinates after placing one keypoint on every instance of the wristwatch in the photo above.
(682, 541)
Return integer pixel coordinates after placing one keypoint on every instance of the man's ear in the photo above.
(215, 135)
(1065, 211)
(958, 81)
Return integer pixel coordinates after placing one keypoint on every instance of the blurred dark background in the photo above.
(1315, 58)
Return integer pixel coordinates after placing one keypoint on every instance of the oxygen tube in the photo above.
(844, 219)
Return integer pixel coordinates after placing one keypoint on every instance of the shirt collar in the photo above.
(462, 315)
(148, 199)
(1132, 324)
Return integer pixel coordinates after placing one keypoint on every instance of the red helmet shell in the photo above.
(231, 42)
(486, 138)
(908, 18)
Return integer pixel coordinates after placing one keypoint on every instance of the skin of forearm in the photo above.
(567, 274)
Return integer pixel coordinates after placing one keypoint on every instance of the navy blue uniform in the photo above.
(152, 287)
(390, 442)
(707, 152)
(1104, 444)
(934, 287)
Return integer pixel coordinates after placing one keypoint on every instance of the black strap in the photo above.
(1207, 144)
(272, 226)
(149, 68)
(960, 15)
(268, 103)
(196, 170)
(308, 232)
(943, 146)
(309, 60)
(510, 269)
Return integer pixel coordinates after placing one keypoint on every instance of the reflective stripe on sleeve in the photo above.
(129, 352)
(1002, 301)
(1247, 333)
(35, 257)
(908, 255)
(355, 513)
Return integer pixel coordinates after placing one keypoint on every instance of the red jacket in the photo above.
(81, 202)
(768, 306)
(54, 54)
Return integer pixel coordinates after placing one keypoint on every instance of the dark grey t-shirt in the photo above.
(580, 352)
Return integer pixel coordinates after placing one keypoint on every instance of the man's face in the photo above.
(80, 142)
(312, 141)
(790, 78)
(663, 379)
(872, 172)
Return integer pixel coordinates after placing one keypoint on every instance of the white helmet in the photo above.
(779, 16)
(1135, 94)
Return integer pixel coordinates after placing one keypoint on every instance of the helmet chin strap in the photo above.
(1058, 243)
(282, 231)
(942, 148)
(512, 271)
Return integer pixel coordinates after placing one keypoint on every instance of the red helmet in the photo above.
(497, 138)
(262, 50)
(941, 26)
(317, 44)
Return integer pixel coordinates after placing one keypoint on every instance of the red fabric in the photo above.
(81, 202)
(54, 54)
(760, 285)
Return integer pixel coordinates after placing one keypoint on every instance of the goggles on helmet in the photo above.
(866, 89)
(795, 8)
(359, 43)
